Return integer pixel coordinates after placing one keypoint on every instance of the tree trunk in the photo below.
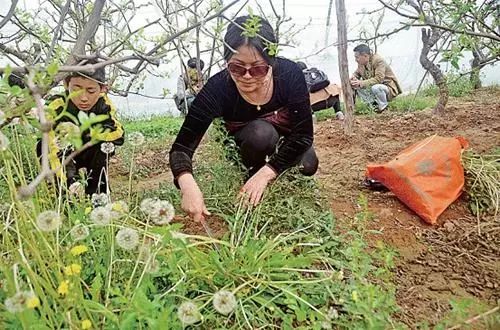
(344, 67)
(429, 38)
(475, 77)
(88, 32)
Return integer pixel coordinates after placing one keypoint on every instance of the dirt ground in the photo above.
(448, 261)
(451, 260)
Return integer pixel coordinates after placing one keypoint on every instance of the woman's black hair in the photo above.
(237, 36)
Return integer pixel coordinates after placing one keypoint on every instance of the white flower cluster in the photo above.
(127, 238)
(188, 313)
(18, 302)
(136, 139)
(79, 232)
(107, 148)
(99, 199)
(48, 221)
(224, 302)
(160, 212)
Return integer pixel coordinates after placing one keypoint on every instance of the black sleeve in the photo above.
(205, 107)
(300, 138)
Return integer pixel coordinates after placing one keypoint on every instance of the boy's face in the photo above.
(88, 92)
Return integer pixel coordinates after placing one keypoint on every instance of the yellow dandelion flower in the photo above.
(88, 209)
(63, 287)
(86, 324)
(79, 249)
(33, 302)
(73, 269)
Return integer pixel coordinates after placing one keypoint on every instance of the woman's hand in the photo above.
(192, 198)
(254, 188)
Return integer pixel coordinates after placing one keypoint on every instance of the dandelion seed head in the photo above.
(188, 313)
(160, 212)
(99, 199)
(76, 188)
(4, 142)
(147, 205)
(224, 302)
(127, 238)
(48, 221)
(79, 232)
(117, 209)
(136, 139)
(107, 147)
(153, 266)
(18, 302)
(101, 216)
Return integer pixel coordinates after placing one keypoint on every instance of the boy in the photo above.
(86, 93)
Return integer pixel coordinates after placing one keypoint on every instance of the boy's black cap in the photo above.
(192, 63)
(99, 75)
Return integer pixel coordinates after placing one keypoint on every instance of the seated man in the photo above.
(188, 85)
(374, 81)
(86, 93)
(324, 98)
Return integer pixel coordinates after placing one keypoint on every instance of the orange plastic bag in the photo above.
(427, 176)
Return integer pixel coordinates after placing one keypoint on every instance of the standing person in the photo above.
(84, 93)
(374, 81)
(261, 99)
(189, 85)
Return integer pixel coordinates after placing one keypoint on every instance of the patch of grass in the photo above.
(156, 127)
(405, 103)
(325, 114)
(458, 86)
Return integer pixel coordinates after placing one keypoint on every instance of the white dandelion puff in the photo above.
(118, 209)
(147, 205)
(153, 266)
(188, 313)
(77, 189)
(99, 199)
(136, 139)
(160, 212)
(127, 238)
(79, 232)
(100, 216)
(48, 221)
(2, 117)
(4, 142)
(224, 302)
(107, 148)
(18, 302)
(333, 313)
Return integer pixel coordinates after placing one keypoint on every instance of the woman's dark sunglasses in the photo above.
(257, 71)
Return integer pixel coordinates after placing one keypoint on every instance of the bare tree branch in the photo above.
(11, 11)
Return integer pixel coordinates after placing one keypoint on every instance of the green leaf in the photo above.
(52, 68)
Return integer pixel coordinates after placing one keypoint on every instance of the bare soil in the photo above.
(452, 260)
